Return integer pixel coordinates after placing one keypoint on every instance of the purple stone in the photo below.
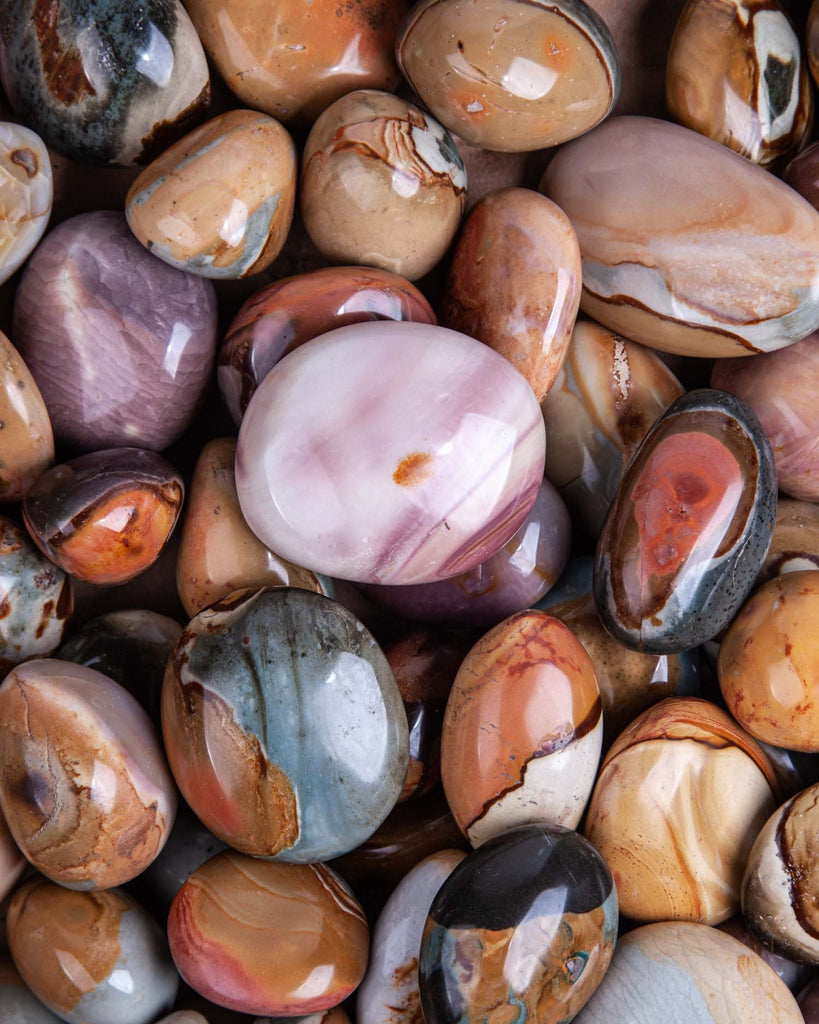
(120, 344)
(390, 453)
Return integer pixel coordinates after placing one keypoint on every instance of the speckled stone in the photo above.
(26, 192)
(26, 439)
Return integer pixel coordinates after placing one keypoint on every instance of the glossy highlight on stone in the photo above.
(256, 937)
(26, 438)
(219, 202)
(26, 192)
(689, 527)
(524, 927)
(510, 75)
(648, 263)
(437, 469)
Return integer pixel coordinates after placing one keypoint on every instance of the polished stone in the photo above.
(26, 192)
(25, 429)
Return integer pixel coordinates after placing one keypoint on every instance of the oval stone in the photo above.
(390, 453)
(26, 192)
(689, 527)
(649, 263)
(25, 429)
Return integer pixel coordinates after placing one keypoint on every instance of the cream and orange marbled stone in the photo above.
(84, 787)
(514, 282)
(218, 552)
(735, 73)
(26, 193)
(678, 802)
(265, 938)
(730, 267)
(523, 729)
(219, 202)
(26, 438)
(769, 663)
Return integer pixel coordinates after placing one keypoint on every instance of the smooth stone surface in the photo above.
(802, 174)
(781, 387)
(26, 193)
(110, 81)
(809, 1001)
(794, 975)
(389, 992)
(606, 396)
(17, 1004)
(684, 973)
(283, 725)
(183, 1017)
(524, 928)
(678, 802)
(120, 345)
(514, 578)
(296, 64)
(91, 957)
(218, 552)
(813, 41)
(12, 862)
(514, 282)
(290, 312)
(768, 663)
(84, 786)
(795, 543)
(219, 202)
(35, 599)
(735, 73)
(105, 517)
(689, 527)
(25, 429)
(438, 469)
(510, 75)
(645, 269)
(257, 937)
(523, 729)
(382, 184)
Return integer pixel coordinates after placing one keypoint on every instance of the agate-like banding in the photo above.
(420, 478)
(26, 192)
(648, 265)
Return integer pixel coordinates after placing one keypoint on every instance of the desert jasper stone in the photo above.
(26, 439)
(522, 730)
(769, 663)
(283, 939)
(25, 195)
(420, 478)
(795, 975)
(782, 879)
(795, 544)
(735, 73)
(297, 62)
(648, 264)
(679, 800)
(689, 527)
(218, 552)
(683, 973)
(509, 74)
(220, 201)
(382, 184)
(514, 282)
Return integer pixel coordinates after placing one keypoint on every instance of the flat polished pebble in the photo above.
(389, 992)
(769, 663)
(218, 552)
(111, 81)
(382, 184)
(795, 543)
(105, 517)
(17, 1004)
(283, 725)
(735, 73)
(514, 282)
(644, 269)
(296, 64)
(606, 396)
(219, 202)
(689, 527)
(679, 800)
(91, 957)
(25, 429)
(509, 75)
(523, 729)
(284, 939)
(287, 313)
(35, 599)
(438, 469)
(84, 786)
(683, 973)
(120, 345)
(522, 930)
(26, 192)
